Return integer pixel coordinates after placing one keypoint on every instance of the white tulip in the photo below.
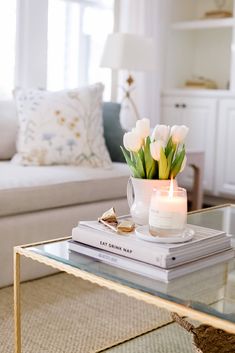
(161, 132)
(179, 133)
(143, 127)
(183, 164)
(132, 141)
(155, 149)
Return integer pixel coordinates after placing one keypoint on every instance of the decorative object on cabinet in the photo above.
(200, 83)
(220, 12)
(126, 51)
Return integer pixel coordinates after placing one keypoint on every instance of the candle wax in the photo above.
(168, 212)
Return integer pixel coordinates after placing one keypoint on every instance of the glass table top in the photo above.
(211, 290)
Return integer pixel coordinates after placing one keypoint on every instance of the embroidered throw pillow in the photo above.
(61, 127)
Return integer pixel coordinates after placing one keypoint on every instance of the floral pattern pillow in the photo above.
(63, 127)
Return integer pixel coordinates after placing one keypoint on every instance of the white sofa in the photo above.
(39, 203)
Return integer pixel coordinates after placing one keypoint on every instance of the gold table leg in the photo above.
(17, 317)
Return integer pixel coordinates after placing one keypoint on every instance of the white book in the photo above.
(148, 270)
(204, 242)
(212, 280)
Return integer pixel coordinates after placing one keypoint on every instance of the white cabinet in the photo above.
(225, 159)
(200, 47)
(199, 114)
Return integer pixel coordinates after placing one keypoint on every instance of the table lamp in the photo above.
(133, 53)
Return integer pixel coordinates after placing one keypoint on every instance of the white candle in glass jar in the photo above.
(168, 211)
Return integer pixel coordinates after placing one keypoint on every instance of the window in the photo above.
(7, 44)
(59, 43)
(77, 31)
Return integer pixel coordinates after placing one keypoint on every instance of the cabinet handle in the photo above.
(177, 105)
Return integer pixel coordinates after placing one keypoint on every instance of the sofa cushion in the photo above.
(113, 131)
(26, 189)
(8, 129)
(60, 128)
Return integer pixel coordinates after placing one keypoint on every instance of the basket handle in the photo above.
(182, 322)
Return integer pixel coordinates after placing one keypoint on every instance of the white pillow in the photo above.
(63, 127)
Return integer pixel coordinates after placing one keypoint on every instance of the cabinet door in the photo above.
(225, 162)
(171, 110)
(199, 114)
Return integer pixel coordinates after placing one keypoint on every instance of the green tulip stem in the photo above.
(176, 147)
(132, 156)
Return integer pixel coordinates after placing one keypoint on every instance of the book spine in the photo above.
(99, 239)
(122, 262)
(181, 258)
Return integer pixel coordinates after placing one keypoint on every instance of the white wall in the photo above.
(31, 53)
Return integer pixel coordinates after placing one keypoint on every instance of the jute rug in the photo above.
(168, 339)
(64, 314)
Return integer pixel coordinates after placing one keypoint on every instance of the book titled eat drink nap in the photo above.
(147, 270)
(205, 242)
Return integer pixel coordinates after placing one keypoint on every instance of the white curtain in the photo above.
(148, 18)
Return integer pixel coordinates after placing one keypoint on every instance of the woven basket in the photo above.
(207, 339)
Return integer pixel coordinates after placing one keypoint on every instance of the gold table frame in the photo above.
(180, 309)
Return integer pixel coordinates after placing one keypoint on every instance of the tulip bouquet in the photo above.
(159, 156)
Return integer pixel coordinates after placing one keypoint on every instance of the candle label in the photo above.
(166, 219)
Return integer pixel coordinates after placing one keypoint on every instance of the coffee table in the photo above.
(207, 295)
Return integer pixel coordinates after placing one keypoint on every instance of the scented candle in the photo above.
(168, 211)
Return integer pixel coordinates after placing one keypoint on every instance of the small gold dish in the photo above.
(109, 216)
(110, 220)
(126, 226)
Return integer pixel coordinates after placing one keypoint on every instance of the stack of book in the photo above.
(163, 262)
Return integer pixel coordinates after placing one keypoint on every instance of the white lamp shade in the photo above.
(130, 52)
